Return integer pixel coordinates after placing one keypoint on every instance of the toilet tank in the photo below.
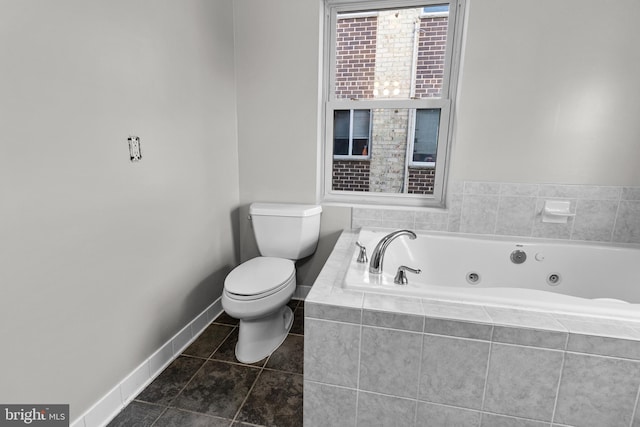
(286, 230)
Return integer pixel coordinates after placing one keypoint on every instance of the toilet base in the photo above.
(258, 338)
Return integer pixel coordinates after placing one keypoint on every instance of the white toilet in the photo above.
(258, 290)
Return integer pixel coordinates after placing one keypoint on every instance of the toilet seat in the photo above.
(259, 277)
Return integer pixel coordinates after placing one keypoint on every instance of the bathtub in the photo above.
(503, 349)
(564, 277)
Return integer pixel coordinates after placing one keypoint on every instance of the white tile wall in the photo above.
(606, 388)
(388, 376)
(603, 213)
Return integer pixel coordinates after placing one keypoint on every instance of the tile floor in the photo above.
(207, 386)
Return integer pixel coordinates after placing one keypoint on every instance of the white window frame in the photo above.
(454, 36)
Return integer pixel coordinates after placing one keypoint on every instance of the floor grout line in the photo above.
(249, 393)
(164, 411)
(168, 405)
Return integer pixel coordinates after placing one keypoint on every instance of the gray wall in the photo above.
(549, 93)
(278, 53)
(544, 97)
(102, 260)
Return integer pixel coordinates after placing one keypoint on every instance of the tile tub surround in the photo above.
(374, 359)
(603, 213)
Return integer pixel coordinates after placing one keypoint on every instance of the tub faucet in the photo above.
(377, 257)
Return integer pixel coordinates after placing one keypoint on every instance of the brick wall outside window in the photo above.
(351, 175)
(431, 50)
(430, 70)
(355, 57)
(421, 180)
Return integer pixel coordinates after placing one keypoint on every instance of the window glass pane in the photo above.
(425, 143)
(444, 8)
(385, 169)
(361, 147)
(355, 56)
(390, 129)
(394, 53)
(340, 147)
(341, 124)
(361, 123)
(432, 44)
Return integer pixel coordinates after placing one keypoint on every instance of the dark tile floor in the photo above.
(207, 386)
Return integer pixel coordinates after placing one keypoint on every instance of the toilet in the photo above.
(257, 291)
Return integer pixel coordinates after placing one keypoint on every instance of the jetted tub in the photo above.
(549, 275)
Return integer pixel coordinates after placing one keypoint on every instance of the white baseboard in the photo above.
(110, 405)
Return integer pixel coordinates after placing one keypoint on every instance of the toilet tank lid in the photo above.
(284, 209)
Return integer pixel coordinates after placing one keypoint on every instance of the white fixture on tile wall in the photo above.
(556, 211)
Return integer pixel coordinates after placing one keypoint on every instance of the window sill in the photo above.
(381, 200)
(422, 166)
(352, 158)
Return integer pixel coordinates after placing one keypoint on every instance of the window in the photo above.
(389, 84)
(442, 9)
(425, 140)
(351, 134)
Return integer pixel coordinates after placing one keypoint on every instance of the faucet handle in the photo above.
(362, 256)
(401, 275)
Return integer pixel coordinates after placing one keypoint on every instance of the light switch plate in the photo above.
(135, 153)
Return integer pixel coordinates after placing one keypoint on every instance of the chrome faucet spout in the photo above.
(377, 257)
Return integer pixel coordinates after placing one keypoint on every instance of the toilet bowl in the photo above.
(256, 292)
